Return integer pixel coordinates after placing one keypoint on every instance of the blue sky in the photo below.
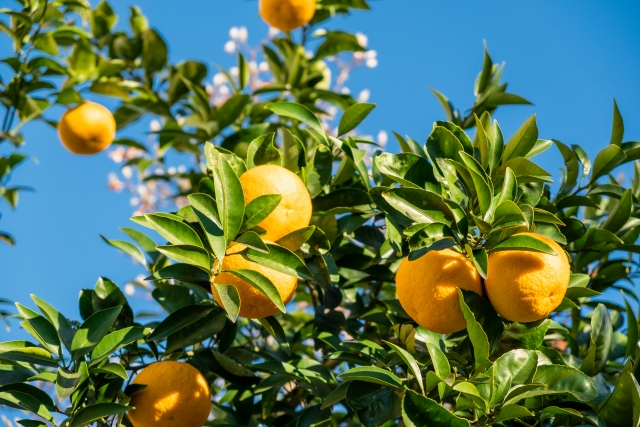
(569, 58)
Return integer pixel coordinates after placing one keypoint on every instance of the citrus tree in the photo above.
(307, 283)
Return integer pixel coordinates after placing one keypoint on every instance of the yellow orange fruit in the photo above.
(253, 304)
(88, 128)
(525, 286)
(287, 15)
(177, 395)
(294, 210)
(427, 289)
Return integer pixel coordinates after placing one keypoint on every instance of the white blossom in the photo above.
(230, 47)
(273, 31)
(117, 155)
(134, 201)
(383, 137)
(129, 289)
(219, 79)
(223, 90)
(363, 40)
(345, 91)
(243, 35)
(358, 55)
(233, 33)
(155, 125)
(171, 170)
(364, 95)
(182, 169)
(234, 71)
(372, 62)
(127, 172)
(263, 66)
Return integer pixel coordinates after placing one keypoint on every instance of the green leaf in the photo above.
(112, 369)
(182, 272)
(274, 328)
(82, 61)
(179, 319)
(92, 331)
(571, 164)
(229, 198)
(442, 143)
(132, 250)
(154, 51)
(252, 240)
(632, 330)
(407, 169)
(510, 412)
(41, 329)
(187, 254)
(230, 300)
(261, 151)
(47, 43)
(19, 351)
(620, 407)
(337, 394)
(524, 243)
(524, 170)
(409, 360)
(530, 334)
(262, 284)
(522, 141)
(445, 103)
(477, 335)
(484, 78)
(115, 340)
(280, 259)
(197, 332)
(486, 316)
(617, 131)
(22, 400)
(420, 206)
(484, 190)
(294, 240)
(66, 383)
(560, 379)
(11, 374)
(621, 213)
(260, 208)
(353, 116)
(92, 413)
(204, 207)
(600, 342)
(176, 232)
(292, 149)
(303, 114)
(341, 201)
(372, 374)
(516, 367)
(480, 260)
(606, 160)
(420, 411)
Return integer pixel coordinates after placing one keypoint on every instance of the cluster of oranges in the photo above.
(522, 286)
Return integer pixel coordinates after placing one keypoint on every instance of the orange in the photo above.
(294, 210)
(88, 128)
(525, 286)
(253, 303)
(287, 15)
(427, 289)
(177, 395)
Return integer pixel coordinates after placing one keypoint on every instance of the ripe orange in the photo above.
(287, 15)
(253, 304)
(427, 289)
(177, 395)
(88, 128)
(294, 210)
(526, 286)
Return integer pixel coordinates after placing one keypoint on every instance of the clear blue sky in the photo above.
(570, 58)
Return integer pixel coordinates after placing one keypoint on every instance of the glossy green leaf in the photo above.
(484, 191)
(632, 330)
(353, 116)
(280, 259)
(229, 198)
(420, 205)
(620, 214)
(510, 412)
(477, 336)
(407, 169)
(521, 143)
(524, 243)
(410, 361)
(230, 299)
(606, 160)
(179, 319)
(420, 411)
(187, 254)
(562, 380)
(176, 232)
(294, 240)
(91, 332)
(115, 340)
(98, 411)
(260, 208)
(262, 284)
(617, 130)
(66, 383)
(262, 151)
(132, 250)
(40, 328)
(600, 342)
(303, 114)
(372, 374)
(274, 328)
